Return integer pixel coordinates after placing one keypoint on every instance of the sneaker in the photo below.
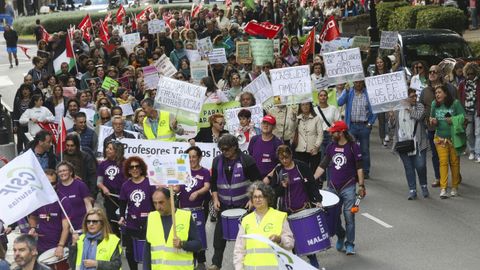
(443, 194)
(425, 192)
(471, 156)
(436, 183)
(350, 250)
(201, 266)
(385, 144)
(16, 62)
(213, 267)
(387, 138)
(11, 66)
(477, 160)
(412, 195)
(340, 244)
(454, 192)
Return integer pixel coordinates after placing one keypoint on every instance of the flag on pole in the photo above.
(196, 8)
(103, 32)
(134, 22)
(228, 3)
(330, 30)
(308, 47)
(24, 50)
(45, 34)
(108, 17)
(264, 29)
(24, 188)
(61, 138)
(64, 53)
(120, 14)
(186, 19)
(85, 25)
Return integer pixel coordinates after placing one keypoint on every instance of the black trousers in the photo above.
(111, 208)
(311, 161)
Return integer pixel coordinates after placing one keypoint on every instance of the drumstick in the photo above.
(114, 195)
(116, 204)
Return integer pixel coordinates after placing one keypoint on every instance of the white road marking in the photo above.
(5, 81)
(377, 220)
(20, 63)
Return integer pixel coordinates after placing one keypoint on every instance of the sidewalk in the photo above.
(472, 35)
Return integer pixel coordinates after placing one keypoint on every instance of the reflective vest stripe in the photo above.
(168, 249)
(259, 250)
(236, 198)
(238, 185)
(264, 267)
(170, 262)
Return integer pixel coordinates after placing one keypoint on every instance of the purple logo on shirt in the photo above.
(112, 171)
(137, 196)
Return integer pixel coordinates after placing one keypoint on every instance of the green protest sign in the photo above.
(262, 51)
(211, 108)
(110, 84)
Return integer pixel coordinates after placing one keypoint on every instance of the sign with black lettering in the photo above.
(343, 66)
(388, 40)
(291, 85)
(386, 92)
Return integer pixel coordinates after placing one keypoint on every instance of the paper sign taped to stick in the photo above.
(130, 41)
(388, 40)
(262, 51)
(243, 53)
(169, 170)
(165, 67)
(320, 84)
(156, 26)
(217, 56)
(193, 55)
(291, 85)
(204, 46)
(386, 92)
(260, 88)
(127, 109)
(343, 66)
(208, 109)
(180, 95)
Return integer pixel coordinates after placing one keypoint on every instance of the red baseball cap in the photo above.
(269, 119)
(338, 126)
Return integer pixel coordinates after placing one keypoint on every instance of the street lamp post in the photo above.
(373, 29)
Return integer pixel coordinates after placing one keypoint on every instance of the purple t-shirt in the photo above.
(201, 176)
(113, 177)
(264, 153)
(139, 202)
(342, 167)
(76, 192)
(295, 194)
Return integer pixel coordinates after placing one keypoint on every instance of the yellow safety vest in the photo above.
(165, 256)
(105, 249)
(164, 133)
(259, 255)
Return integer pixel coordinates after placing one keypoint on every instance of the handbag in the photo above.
(406, 146)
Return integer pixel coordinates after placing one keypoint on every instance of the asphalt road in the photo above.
(391, 232)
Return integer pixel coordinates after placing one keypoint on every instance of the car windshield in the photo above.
(434, 53)
(99, 2)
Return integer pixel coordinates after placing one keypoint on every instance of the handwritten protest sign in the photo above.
(204, 46)
(150, 77)
(336, 45)
(362, 42)
(343, 66)
(386, 92)
(193, 55)
(233, 123)
(260, 88)
(198, 70)
(180, 95)
(70, 92)
(104, 132)
(217, 56)
(169, 169)
(208, 109)
(276, 47)
(124, 82)
(388, 40)
(262, 51)
(156, 26)
(127, 109)
(129, 41)
(110, 84)
(165, 67)
(320, 84)
(243, 53)
(291, 85)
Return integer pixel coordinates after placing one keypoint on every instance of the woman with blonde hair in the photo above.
(212, 133)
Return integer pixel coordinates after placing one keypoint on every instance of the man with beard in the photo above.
(88, 137)
(25, 253)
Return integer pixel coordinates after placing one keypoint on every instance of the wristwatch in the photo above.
(362, 186)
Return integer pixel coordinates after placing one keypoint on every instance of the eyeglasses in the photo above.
(220, 123)
(93, 83)
(92, 221)
(134, 166)
(432, 72)
(259, 197)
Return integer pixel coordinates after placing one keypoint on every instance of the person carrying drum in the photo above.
(97, 247)
(296, 187)
(25, 253)
(232, 174)
(193, 195)
(343, 158)
(264, 221)
(165, 249)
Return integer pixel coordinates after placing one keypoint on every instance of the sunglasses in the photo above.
(418, 67)
(432, 72)
(134, 167)
(92, 83)
(92, 221)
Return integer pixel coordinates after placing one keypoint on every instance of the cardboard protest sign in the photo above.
(130, 41)
(262, 51)
(156, 26)
(198, 70)
(386, 92)
(320, 84)
(217, 56)
(150, 77)
(104, 132)
(388, 40)
(165, 67)
(211, 108)
(169, 169)
(362, 42)
(193, 55)
(343, 66)
(260, 88)
(127, 109)
(124, 82)
(291, 85)
(110, 84)
(204, 46)
(233, 123)
(243, 52)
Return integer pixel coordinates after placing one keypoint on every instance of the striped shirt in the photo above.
(359, 108)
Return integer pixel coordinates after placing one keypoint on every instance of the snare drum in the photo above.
(332, 208)
(198, 215)
(230, 222)
(48, 258)
(310, 232)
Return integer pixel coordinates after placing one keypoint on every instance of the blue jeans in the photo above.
(347, 200)
(435, 161)
(473, 15)
(417, 162)
(473, 133)
(361, 132)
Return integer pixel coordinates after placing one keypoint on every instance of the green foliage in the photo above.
(406, 17)
(385, 10)
(475, 46)
(445, 17)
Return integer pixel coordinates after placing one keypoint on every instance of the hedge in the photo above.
(60, 21)
(475, 46)
(446, 17)
(406, 17)
(385, 10)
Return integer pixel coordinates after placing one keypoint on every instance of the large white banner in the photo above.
(104, 132)
(286, 259)
(343, 66)
(24, 188)
(291, 85)
(386, 92)
(260, 88)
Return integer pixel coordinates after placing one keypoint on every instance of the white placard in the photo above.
(129, 41)
(260, 88)
(217, 56)
(150, 77)
(198, 70)
(169, 169)
(233, 123)
(320, 84)
(193, 55)
(204, 46)
(180, 95)
(291, 85)
(386, 92)
(89, 113)
(104, 132)
(343, 66)
(156, 26)
(127, 109)
(388, 40)
(165, 67)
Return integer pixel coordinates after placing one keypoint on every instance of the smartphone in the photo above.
(448, 114)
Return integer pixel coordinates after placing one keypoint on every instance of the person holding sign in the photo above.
(246, 130)
(265, 221)
(383, 65)
(235, 83)
(159, 125)
(166, 248)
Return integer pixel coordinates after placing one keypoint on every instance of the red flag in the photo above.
(143, 15)
(103, 32)
(330, 30)
(62, 134)
(308, 47)
(45, 34)
(68, 43)
(134, 22)
(196, 9)
(108, 17)
(120, 14)
(50, 127)
(264, 29)
(24, 49)
(228, 3)
(167, 17)
(186, 19)
(85, 25)
(285, 48)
